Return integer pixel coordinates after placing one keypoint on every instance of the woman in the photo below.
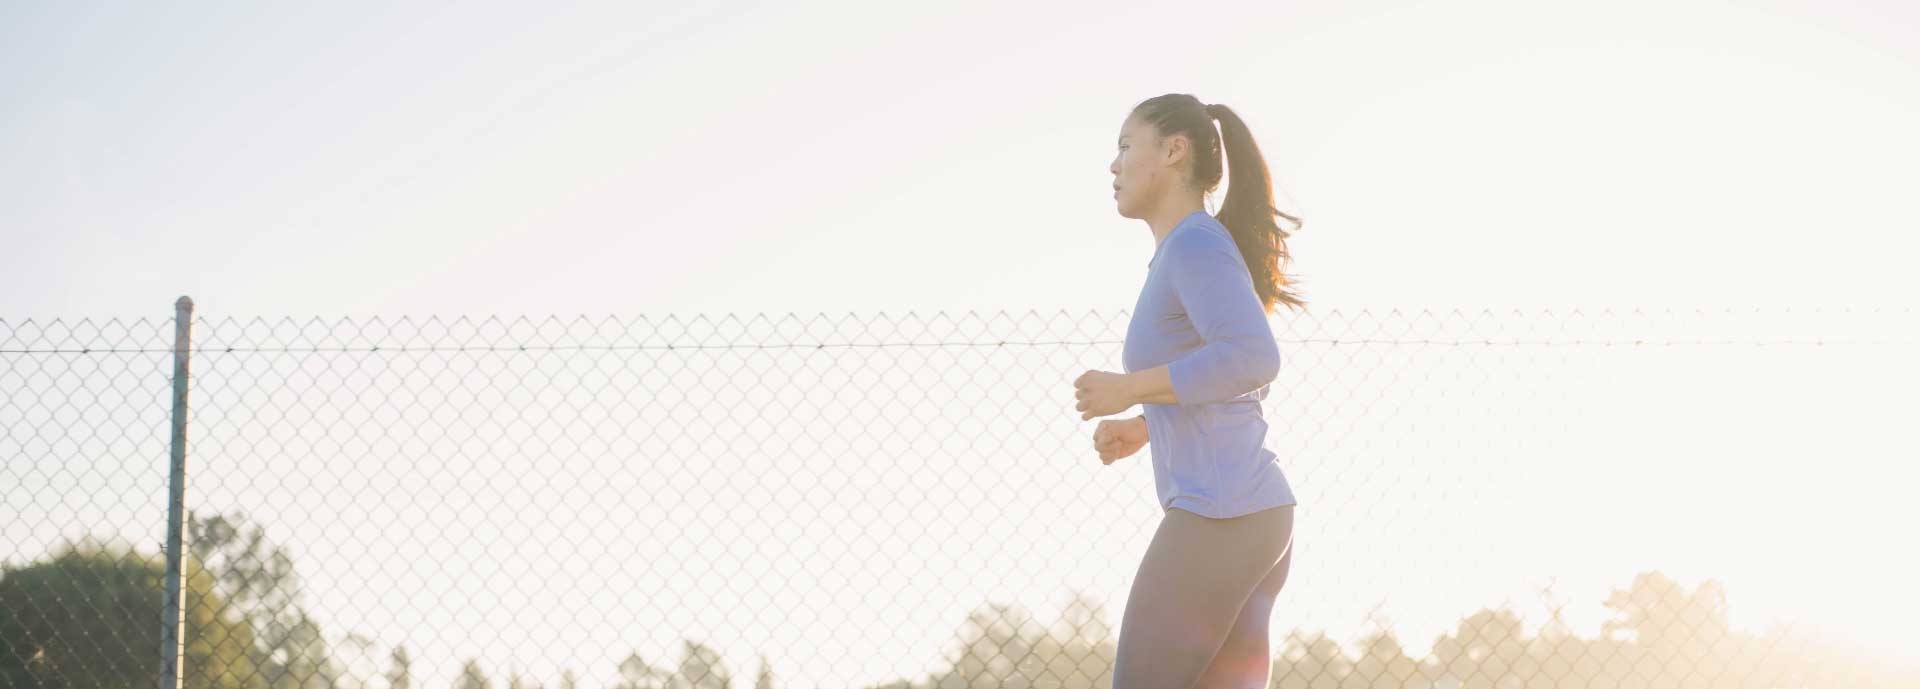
(1199, 357)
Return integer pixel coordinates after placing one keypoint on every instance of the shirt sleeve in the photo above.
(1239, 354)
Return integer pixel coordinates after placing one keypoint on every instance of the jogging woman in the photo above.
(1199, 356)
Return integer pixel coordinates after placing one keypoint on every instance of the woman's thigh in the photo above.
(1196, 577)
(1245, 660)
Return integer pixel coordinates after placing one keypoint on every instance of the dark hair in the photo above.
(1248, 212)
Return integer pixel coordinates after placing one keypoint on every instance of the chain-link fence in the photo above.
(1488, 499)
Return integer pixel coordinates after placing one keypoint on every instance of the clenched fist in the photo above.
(1101, 393)
(1117, 439)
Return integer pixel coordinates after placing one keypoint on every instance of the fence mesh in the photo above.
(1488, 499)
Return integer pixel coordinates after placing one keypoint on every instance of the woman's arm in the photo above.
(1239, 353)
(1150, 386)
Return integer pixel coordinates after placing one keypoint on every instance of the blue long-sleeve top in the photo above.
(1198, 314)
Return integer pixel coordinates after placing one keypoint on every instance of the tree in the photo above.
(258, 581)
(1671, 632)
(471, 677)
(90, 616)
(1666, 619)
(700, 668)
(1310, 661)
(399, 669)
(1079, 653)
(1484, 650)
(764, 680)
(1383, 663)
(1000, 646)
(636, 673)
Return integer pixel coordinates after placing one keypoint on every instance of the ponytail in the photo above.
(1249, 214)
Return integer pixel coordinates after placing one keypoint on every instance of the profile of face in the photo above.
(1145, 167)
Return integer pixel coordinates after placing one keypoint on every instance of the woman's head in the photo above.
(1169, 148)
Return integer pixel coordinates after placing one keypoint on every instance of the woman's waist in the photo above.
(1245, 409)
(1221, 426)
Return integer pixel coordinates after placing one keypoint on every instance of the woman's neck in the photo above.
(1169, 214)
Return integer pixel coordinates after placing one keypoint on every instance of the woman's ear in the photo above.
(1175, 148)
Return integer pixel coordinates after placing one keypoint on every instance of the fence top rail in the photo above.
(1457, 327)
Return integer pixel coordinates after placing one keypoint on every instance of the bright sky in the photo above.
(358, 159)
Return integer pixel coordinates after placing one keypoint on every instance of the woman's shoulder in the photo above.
(1199, 235)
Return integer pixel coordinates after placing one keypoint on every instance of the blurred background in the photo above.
(643, 345)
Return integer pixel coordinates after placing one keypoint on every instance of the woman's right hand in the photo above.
(1118, 439)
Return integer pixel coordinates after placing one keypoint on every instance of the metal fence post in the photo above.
(172, 634)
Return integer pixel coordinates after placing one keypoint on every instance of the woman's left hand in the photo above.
(1101, 393)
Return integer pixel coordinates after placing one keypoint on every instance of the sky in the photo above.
(366, 158)
(354, 160)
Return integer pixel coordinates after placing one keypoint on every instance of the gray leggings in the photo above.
(1198, 612)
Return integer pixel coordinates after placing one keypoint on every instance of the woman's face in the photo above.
(1140, 169)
